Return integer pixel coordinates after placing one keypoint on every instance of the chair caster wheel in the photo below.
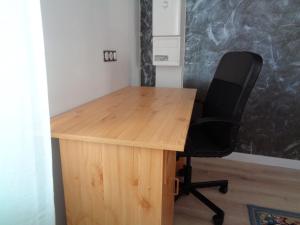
(223, 189)
(218, 219)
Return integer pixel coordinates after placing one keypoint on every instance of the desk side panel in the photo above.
(82, 170)
(112, 185)
(169, 174)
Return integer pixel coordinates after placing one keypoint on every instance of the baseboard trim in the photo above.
(264, 160)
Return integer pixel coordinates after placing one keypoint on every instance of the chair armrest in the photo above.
(205, 120)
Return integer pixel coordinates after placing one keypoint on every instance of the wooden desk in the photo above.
(118, 155)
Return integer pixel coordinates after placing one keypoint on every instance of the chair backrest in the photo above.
(231, 86)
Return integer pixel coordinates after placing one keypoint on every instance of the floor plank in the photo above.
(249, 183)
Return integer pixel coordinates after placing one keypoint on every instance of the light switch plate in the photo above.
(110, 55)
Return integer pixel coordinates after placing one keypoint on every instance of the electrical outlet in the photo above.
(110, 55)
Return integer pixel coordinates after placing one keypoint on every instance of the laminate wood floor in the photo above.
(264, 186)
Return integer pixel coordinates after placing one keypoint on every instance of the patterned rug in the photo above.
(265, 216)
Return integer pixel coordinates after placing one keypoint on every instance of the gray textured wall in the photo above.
(271, 122)
(147, 69)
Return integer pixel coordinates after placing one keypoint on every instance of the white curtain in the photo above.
(26, 185)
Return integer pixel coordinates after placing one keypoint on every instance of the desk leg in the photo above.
(169, 169)
(117, 185)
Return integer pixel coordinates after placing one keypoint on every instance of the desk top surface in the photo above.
(156, 118)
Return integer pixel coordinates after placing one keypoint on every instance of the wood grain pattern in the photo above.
(168, 187)
(117, 185)
(156, 118)
(249, 183)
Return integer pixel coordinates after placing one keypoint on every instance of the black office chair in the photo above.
(213, 131)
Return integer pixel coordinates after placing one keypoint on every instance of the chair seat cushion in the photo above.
(208, 141)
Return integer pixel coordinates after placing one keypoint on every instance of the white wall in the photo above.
(169, 76)
(76, 32)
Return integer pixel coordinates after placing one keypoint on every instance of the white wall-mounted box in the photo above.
(166, 51)
(166, 17)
